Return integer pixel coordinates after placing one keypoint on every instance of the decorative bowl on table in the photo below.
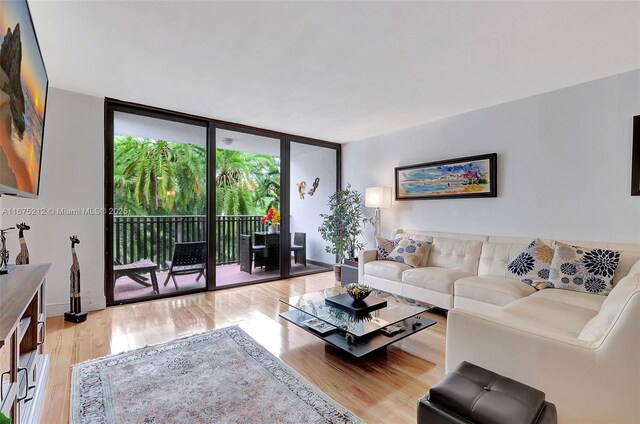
(358, 292)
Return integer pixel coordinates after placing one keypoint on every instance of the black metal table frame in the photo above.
(363, 345)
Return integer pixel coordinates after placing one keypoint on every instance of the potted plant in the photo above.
(272, 218)
(342, 225)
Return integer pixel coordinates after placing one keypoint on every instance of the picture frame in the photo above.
(465, 177)
(635, 158)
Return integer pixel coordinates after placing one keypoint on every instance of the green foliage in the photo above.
(246, 183)
(4, 419)
(157, 177)
(343, 224)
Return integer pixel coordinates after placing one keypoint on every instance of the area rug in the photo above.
(223, 376)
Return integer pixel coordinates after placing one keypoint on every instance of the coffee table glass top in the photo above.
(398, 309)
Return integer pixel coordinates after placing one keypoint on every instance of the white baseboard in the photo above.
(58, 309)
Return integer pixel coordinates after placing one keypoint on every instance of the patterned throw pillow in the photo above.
(583, 269)
(385, 246)
(532, 265)
(408, 251)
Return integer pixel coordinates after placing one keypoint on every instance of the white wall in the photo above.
(307, 163)
(72, 177)
(564, 165)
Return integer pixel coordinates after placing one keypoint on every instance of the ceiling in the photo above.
(340, 71)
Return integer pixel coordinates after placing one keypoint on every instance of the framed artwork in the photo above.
(473, 176)
(635, 158)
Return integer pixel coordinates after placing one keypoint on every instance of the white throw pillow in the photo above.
(385, 246)
(582, 269)
(532, 265)
(409, 252)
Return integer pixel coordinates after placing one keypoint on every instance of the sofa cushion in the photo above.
(584, 300)
(582, 269)
(531, 266)
(498, 291)
(495, 257)
(611, 307)
(547, 315)
(389, 270)
(457, 254)
(410, 252)
(433, 278)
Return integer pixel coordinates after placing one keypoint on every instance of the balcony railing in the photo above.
(153, 237)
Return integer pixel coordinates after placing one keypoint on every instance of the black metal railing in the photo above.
(153, 237)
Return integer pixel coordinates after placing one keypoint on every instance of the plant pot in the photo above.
(337, 270)
(272, 229)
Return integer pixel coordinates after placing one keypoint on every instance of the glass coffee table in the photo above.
(357, 332)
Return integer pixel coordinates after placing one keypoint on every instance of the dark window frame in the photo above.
(114, 105)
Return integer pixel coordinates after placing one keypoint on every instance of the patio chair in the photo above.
(188, 258)
(299, 248)
(135, 276)
(247, 253)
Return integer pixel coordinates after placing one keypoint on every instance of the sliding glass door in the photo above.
(248, 210)
(158, 196)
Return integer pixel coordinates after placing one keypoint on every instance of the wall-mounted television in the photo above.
(23, 101)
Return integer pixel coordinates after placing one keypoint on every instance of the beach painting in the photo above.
(473, 176)
(23, 92)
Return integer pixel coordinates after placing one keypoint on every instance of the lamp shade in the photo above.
(377, 197)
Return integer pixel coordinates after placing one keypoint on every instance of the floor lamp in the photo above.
(377, 197)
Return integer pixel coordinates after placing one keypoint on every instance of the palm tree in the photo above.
(233, 189)
(191, 179)
(159, 177)
(266, 178)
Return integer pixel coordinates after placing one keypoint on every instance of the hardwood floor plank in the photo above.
(381, 388)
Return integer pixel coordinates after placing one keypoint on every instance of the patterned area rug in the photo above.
(223, 376)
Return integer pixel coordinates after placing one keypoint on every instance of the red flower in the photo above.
(263, 219)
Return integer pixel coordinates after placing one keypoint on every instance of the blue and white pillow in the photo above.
(409, 251)
(385, 246)
(532, 265)
(583, 269)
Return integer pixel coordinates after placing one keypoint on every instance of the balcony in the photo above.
(154, 237)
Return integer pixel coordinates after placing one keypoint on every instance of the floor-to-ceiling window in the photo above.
(157, 193)
(314, 177)
(200, 204)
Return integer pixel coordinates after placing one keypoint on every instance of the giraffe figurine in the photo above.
(5, 268)
(75, 313)
(23, 256)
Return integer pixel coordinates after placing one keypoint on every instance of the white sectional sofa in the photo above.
(582, 349)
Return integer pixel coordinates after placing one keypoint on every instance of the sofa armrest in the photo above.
(565, 368)
(364, 256)
(635, 269)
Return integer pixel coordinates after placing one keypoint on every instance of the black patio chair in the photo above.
(247, 252)
(188, 258)
(299, 248)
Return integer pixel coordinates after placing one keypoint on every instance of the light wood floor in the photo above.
(381, 388)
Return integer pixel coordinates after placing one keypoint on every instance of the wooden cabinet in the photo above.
(23, 362)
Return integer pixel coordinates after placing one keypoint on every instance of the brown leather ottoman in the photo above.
(471, 394)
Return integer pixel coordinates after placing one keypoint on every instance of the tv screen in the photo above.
(23, 101)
